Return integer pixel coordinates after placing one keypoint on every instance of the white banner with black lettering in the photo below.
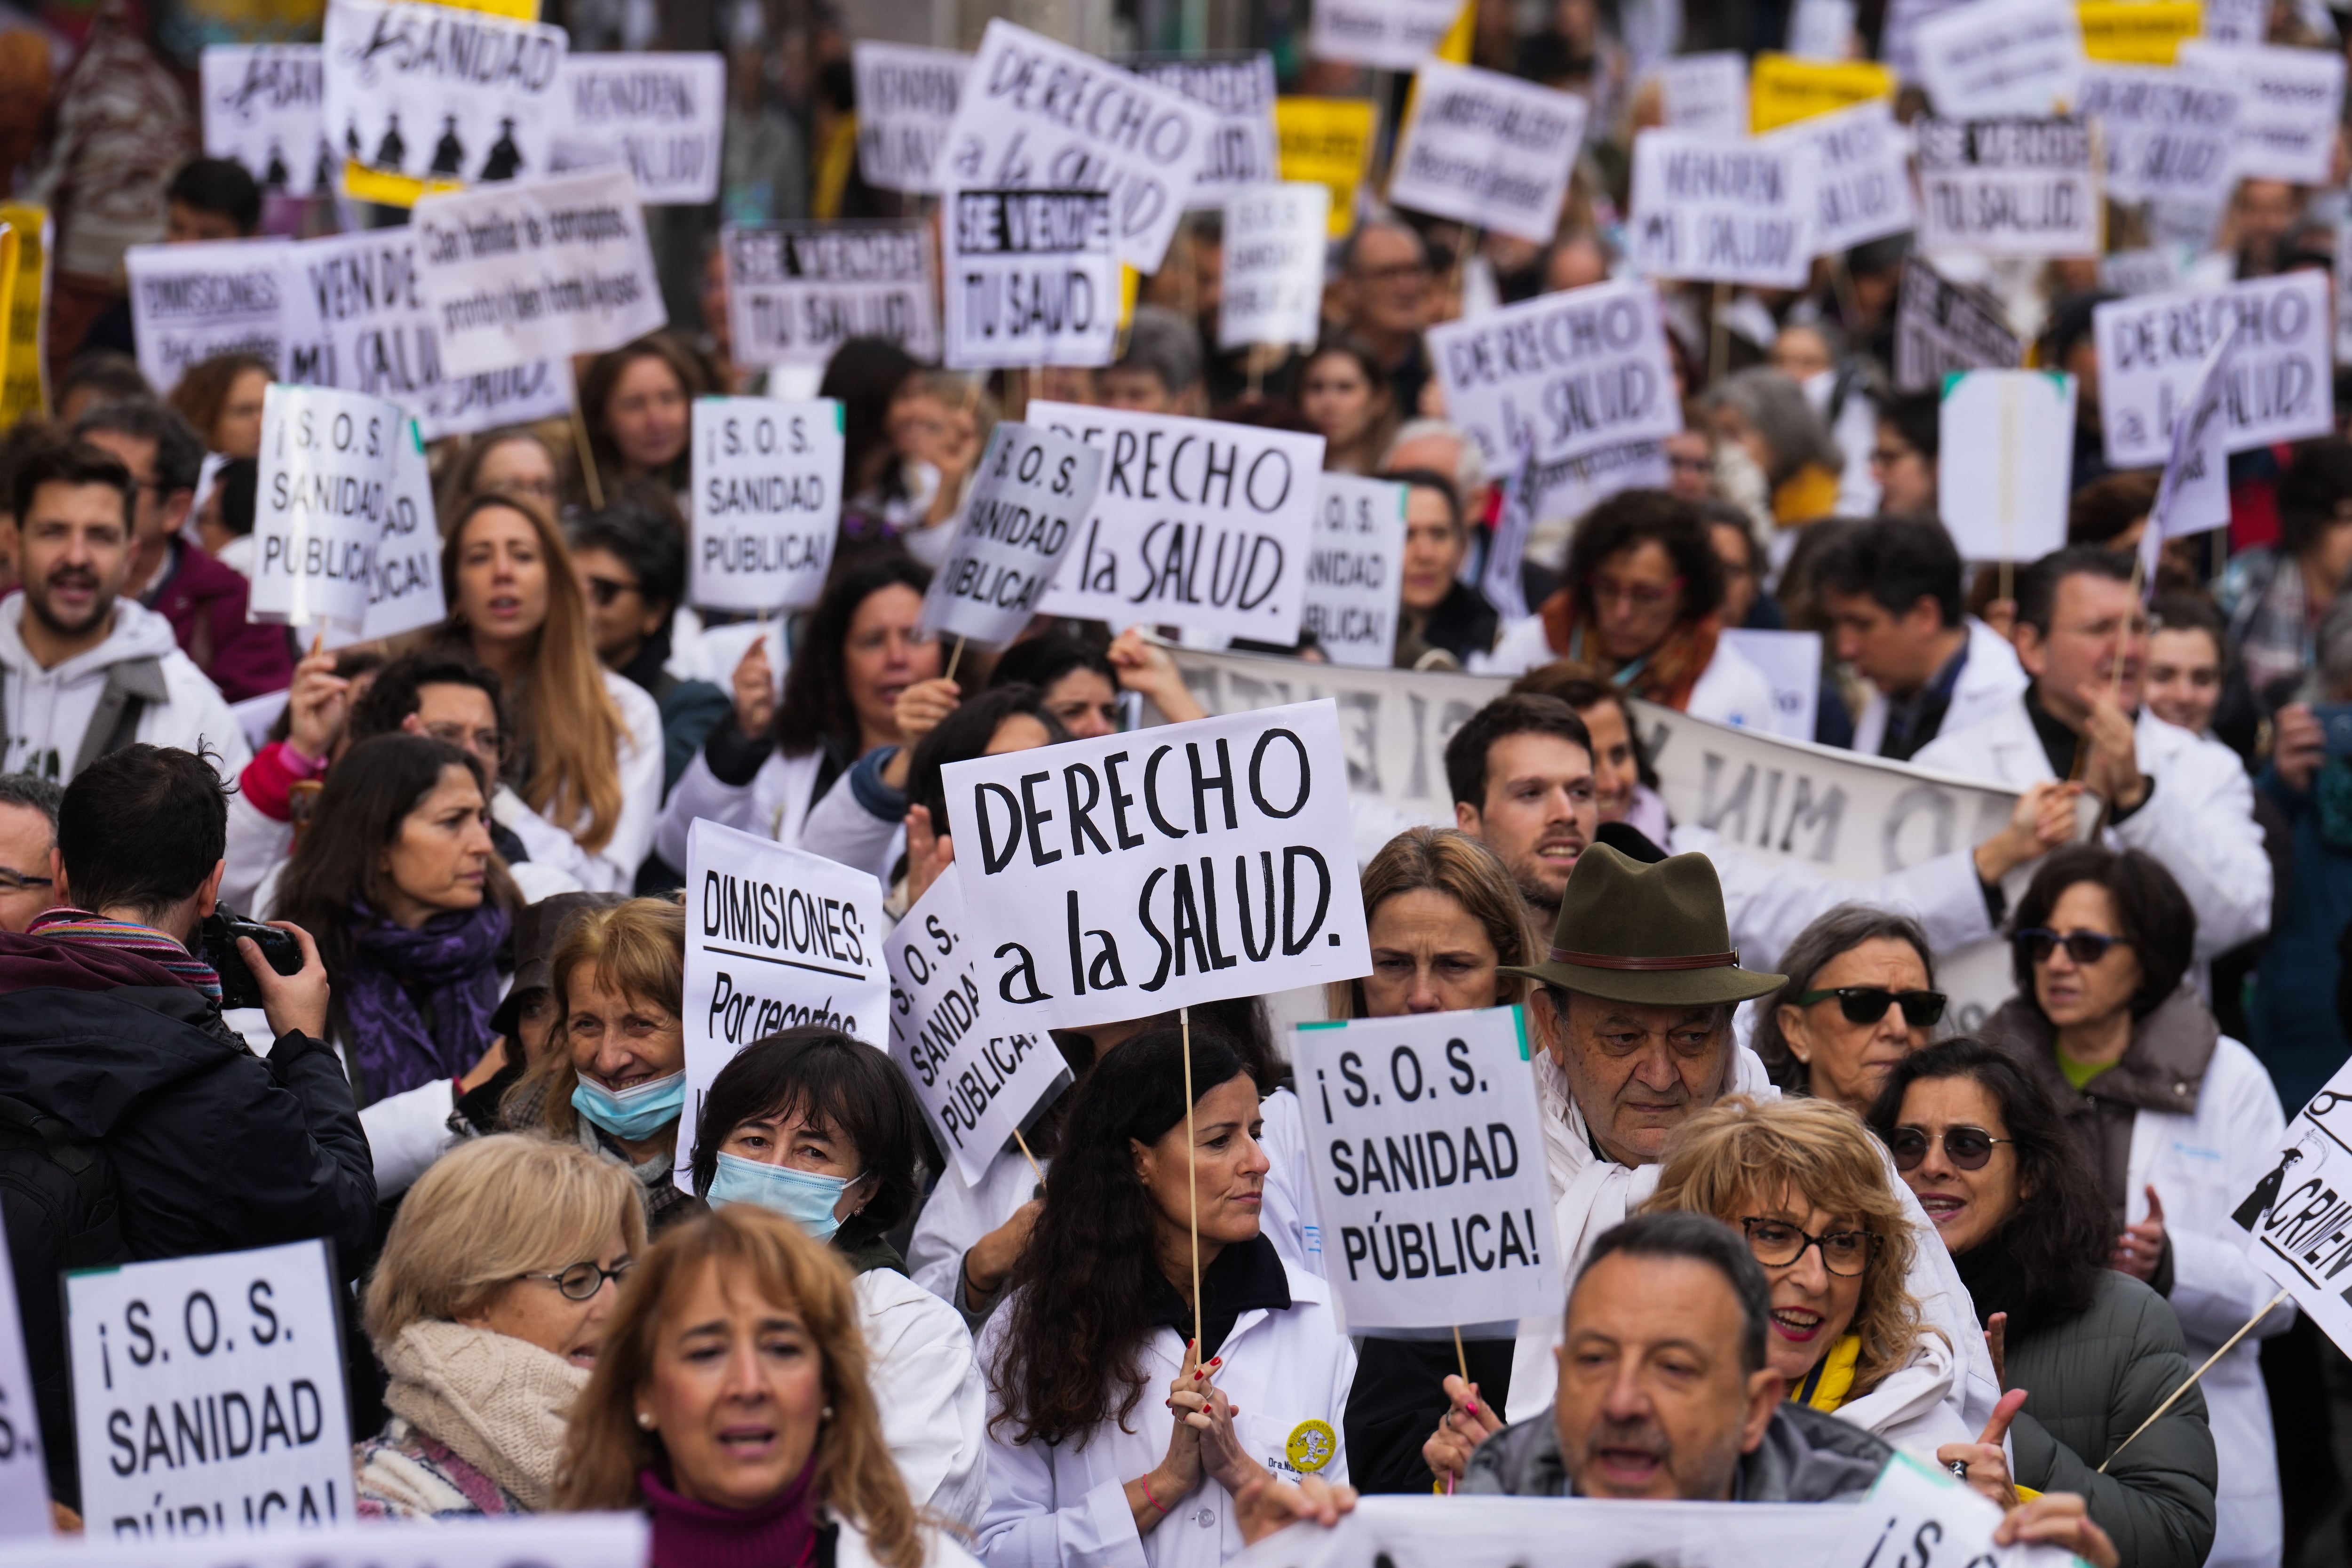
(2299, 1215)
(1425, 1137)
(537, 270)
(1387, 35)
(1941, 326)
(327, 471)
(1136, 873)
(775, 938)
(435, 93)
(1488, 149)
(24, 1477)
(265, 106)
(978, 1079)
(767, 500)
(1707, 93)
(1997, 57)
(2171, 134)
(404, 580)
(363, 326)
(1028, 277)
(208, 1395)
(2281, 379)
(1042, 116)
(1561, 375)
(189, 302)
(660, 114)
(1200, 525)
(2344, 292)
(1272, 290)
(907, 96)
(2011, 435)
(1723, 209)
(1357, 569)
(501, 1540)
(2008, 187)
(1239, 90)
(797, 291)
(1862, 178)
(2193, 496)
(2294, 97)
(1032, 490)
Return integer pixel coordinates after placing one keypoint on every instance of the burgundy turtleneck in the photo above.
(779, 1534)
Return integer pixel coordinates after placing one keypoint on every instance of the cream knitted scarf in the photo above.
(499, 1402)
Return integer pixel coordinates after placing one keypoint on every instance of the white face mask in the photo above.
(805, 1198)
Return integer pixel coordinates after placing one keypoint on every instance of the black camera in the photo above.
(220, 929)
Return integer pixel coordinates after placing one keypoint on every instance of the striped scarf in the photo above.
(69, 924)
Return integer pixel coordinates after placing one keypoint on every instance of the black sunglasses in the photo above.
(1867, 1003)
(1967, 1148)
(2082, 946)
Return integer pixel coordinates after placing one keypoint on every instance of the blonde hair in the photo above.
(1449, 861)
(604, 1450)
(637, 948)
(1741, 1153)
(489, 1212)
(560, 706)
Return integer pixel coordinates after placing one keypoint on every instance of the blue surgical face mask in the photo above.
(632, 1115)
(805, 1197)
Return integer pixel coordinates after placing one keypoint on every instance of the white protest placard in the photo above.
(661, 114)
(208, 1395)
(498, 1541)
(1560, 375)
(907, 98)
(1425, 1137)
(1028, 277)
(537, 270)
(1862, 175)
(1791, 663)
(2344, 292)
(1916, 1507)
(1200, 524)
(2008, 187)
(2193, 496)
(977, 1080)
(1273, 285)
(2146, 270)
(1356, 571)
(2171, 134)
(265, 106)
(1415, 1531)
(2297, 1211)
(2007, 439)
(2286, 126)
(1041, 116)
(1488, 149)
(775, 938)
(1707, 93)
(767, 502)
(189, 302)
(1723, 209)
(327, 471)
(2280, 383)
(1941, 326)
(404, 580)
(1997, 58)
(1135, 873)
(1387, 35)
(363, 326)
(2234, 21)
(797, 291)
(436, 95)
(1032, 490)
(1239, 90)
(24, 1477)
(1821, 29)
(1570, 487)
(1498, 574)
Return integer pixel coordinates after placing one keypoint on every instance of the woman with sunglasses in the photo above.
(2097, 1352)
(487, 1308)
(1861, 996)
(2178, 1121)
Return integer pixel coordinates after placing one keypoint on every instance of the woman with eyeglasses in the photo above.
(1861, 996)
(515, 461)
(1985, 1152)
(487, 1308)
(2178, 1119)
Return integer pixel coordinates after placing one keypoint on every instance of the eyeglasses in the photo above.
(2083, 946)
(583, 1280)
(17, 881)
(1641, 595)
(1867, 1003)
(605, 590)
(1777, 1244)
(1967, 1148)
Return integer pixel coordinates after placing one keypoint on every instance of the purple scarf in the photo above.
(450, 962)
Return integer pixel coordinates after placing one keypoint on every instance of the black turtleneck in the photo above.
(1243, 1278)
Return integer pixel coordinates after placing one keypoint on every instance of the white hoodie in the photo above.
(47, 712)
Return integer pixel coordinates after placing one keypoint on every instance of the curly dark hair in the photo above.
(1071, 1355)
(816, 708)
(2059, 1236)
(1631, 518)
(2156, 916)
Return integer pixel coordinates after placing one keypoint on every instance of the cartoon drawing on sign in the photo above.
(274, 178)
(2266, 1193)
(391, 149)
(506, 158)
(449, 155)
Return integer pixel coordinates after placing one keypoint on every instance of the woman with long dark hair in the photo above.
(1084, 1465)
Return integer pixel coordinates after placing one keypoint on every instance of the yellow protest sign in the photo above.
(1457, 44)
(2139, 32)
(24, 309)
(11, 248)
(1783, 89)
(513, 10)
(1327, 141)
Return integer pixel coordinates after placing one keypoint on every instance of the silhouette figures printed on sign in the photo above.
(392, 150)
(449, 155)
(277, 176)
(352, 139)
(324, 181)
(506, 158)
(2266, 1191)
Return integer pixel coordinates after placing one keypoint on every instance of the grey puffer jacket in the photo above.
(1805, 1457)
(2092, 1380)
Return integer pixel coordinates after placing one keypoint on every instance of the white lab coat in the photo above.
(2199, 820)
(1064, 1505)
(2202, 1165)
(926, 1382)
(1991, 680)
(1769, 903)
(773, 805)
(614, 868)
(1729, 690)
(940, 1549)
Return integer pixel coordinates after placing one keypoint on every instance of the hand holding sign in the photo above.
(1469, 1422)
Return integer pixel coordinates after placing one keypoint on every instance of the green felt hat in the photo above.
(1650, 934)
